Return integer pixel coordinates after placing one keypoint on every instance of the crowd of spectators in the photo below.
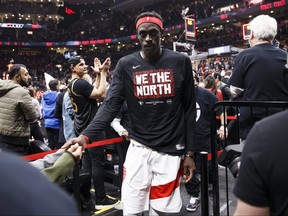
(28, 7)
(106, 24)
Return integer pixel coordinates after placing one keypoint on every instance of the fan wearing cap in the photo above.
(84, 96)
(158, 86)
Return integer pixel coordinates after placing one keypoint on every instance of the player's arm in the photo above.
(189, 106)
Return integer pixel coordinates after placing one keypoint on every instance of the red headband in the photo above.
(149, 19)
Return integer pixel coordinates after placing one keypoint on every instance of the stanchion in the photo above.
(204, 184)
(76, 186)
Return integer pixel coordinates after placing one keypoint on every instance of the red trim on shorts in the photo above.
(161, 191)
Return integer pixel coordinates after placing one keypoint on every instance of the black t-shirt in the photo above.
(160, 99)
(84, 107)
(262, 180)
(205, 100)
(261, 72)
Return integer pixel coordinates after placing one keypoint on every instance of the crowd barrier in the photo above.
(267, 109)
(77, 177)
(215, 152)
(36, 156)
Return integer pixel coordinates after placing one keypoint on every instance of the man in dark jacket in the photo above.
(16, 111)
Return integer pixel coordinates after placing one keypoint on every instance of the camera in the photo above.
(231, 158)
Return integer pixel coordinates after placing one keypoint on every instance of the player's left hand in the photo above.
(188, 168)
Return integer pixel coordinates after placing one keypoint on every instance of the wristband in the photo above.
(225, 125)
(87, 139)
(187, 155)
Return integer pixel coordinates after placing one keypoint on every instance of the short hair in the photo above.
(53, 84)
(217, 76)
(149, 13)
(264, 27)
(15, 70)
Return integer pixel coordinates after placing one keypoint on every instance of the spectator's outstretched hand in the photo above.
(76, 150)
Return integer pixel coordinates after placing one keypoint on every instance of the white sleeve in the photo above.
(115, 124)
(236, 91)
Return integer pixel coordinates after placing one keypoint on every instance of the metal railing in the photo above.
(266, 108)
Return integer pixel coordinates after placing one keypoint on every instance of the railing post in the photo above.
(214, 164)
(204, 184)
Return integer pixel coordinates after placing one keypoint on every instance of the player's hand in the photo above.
(80, 140)
(188, 168)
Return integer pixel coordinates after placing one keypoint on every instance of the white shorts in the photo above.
(150, 178)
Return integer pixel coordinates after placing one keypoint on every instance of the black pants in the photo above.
(193, 186)
(93, 161)
(53, 137)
